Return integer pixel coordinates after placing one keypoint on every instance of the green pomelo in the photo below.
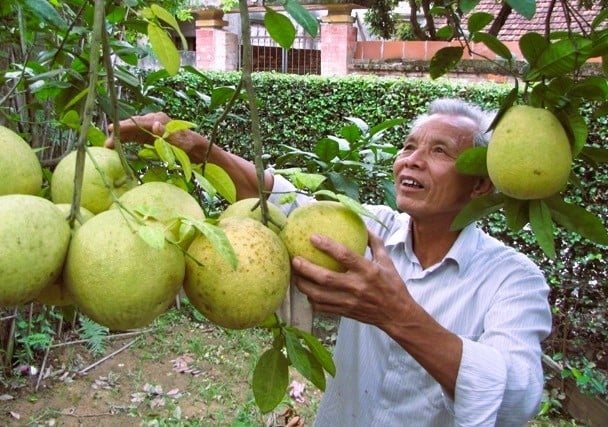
(95, 196)
(245, 208)
(35, 239)
(20, 170)
(115, 277)
(529, 155)
(327, 218)
(244, 297)
(56, 293)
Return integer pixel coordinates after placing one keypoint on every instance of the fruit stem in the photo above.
(253, 109)
(98, 22)
(130, 175)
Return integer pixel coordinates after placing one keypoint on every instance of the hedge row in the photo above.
(299, 110)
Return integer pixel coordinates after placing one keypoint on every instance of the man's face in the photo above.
(426, 181)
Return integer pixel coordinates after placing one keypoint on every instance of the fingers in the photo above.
(349, 259)
(376, 246)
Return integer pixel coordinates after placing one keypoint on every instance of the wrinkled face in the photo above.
(426, 181)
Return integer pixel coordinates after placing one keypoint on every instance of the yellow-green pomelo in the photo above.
(56, 293)
(165, 203)
(117, 278)
(327, 218)
(34, 243)
(95, 196)
(245, 208)
(529, 155)
(243, 297)
(20, 170)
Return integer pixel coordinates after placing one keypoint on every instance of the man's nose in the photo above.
(414, 158)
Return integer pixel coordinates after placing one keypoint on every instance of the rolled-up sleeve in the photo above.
(500, 379)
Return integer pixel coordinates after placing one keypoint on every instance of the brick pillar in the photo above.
(216, 48)
(338, 40)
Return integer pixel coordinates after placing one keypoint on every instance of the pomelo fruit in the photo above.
(245, 208)
(20, 170)
(244, 297)
(529, 155)
(95, 196)
(118, 279)
(35, 239)
(165, 203)
(56, 293)
(328, 218)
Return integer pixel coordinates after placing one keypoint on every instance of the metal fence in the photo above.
(304, 57)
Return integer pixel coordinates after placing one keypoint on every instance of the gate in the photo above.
(304, 57)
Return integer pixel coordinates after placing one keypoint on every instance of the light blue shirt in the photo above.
(494, 298)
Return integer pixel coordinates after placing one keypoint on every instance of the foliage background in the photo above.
(299, 110)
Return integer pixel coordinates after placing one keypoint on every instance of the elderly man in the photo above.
(438, 327)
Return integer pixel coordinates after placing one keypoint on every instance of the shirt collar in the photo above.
(460, 252)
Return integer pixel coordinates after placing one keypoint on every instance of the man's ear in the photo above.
(483, 186)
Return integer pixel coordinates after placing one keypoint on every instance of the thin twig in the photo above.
(109, 356)
(46, 355)
(115, 336)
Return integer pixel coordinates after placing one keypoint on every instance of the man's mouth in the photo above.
(411, 183)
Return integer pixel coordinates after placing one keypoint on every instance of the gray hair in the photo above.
(457, 107)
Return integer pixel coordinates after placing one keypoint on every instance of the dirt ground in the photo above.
(181, 374)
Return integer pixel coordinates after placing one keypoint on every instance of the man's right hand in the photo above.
(141, 129)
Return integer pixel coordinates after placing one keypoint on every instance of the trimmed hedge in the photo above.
(299, 110)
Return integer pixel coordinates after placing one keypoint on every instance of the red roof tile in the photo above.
(516, 25)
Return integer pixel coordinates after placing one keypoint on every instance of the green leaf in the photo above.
(163, 48)
(472, 161)
(220, 95)
(575, 126)
(218, 239)
(360, 123)
(71, 119)
(163, 148)
(280, 28)
(303, 361)
(165, 16)
(595, 154)
(173, 126)
(317, 349)
(302, 16)
(270, 379)
(592, 88)
(542, 226)
(95, 136)
(561, 57)
(526, 8)
(444, 60)
(356, 207)
(327, 149)
(221, 181)
(387, 124)
(478, 21)
(45, 12)
(532, 45)
(476, 209)
(153, 236)
(578, 220)
(444, 33)
(184, 161)
(516, 213)
(307, 181)
(493, 44)
(205, 184)
(468, 5)
(505, 105)
(351, 133)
